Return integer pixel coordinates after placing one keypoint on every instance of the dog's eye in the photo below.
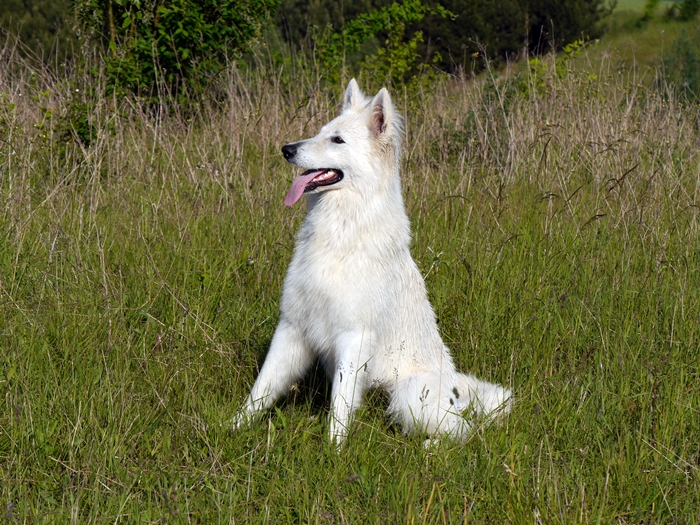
(337, 140)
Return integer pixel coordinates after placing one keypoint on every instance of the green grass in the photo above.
(642, 47)
(556, 220)
(637, 5)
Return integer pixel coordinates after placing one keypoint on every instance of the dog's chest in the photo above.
(335, 286)
(344, 276)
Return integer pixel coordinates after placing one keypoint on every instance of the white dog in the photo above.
(353, 296)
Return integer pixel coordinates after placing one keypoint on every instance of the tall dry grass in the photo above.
(514, 127)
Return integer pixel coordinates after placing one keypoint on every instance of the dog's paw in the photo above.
(431, 443)
(240, 420)
(337, 432)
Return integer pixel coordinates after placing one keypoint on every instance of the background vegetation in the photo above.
(173, 45)
(554, 205)
(45, 27)
(177, 35)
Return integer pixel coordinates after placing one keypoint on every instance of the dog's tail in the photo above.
(488, 400)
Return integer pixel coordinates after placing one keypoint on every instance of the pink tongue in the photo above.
(297, 189)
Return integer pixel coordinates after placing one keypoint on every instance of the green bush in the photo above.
(689, 9)
(44, 27)
(682, 65)
(174, 44)
(650, 8)
(683, 10)
(394, 62)
(296, 19)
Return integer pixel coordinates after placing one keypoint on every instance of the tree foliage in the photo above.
(394, 61)
(686, 10)
(689, 9)
(173, 43)
(682, 65)
(299, 18)
(44, 27)
(504, 28)
(499, 28)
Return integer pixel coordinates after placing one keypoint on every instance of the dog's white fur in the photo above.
(353, 295)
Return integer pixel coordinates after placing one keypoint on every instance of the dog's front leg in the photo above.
(349, 383)
(288, 359)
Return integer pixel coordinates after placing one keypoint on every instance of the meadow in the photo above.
(555, 219)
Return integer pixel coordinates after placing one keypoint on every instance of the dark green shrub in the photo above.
(650, 8)
(44, 27)
(396, 59)
(297, 18)
(689, 9)
(504, 28)
(682, 65)
(685, 10)
(175, 44)
(497, 28)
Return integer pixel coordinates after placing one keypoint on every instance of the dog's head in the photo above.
(358, 150)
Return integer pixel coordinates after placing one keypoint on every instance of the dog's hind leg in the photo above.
(287, 361)
(424, 402)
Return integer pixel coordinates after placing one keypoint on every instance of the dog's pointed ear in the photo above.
(353, 95)
(381, 113)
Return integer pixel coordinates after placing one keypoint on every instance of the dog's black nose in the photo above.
(289, 151)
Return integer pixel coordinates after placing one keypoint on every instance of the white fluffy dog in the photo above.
(353, 296)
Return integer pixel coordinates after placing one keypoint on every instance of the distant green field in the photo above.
(644, 45)
(635, 5)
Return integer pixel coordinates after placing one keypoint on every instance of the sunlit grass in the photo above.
(556, 220)
(643, 47)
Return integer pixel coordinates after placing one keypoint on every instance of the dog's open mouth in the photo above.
(309, 181)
